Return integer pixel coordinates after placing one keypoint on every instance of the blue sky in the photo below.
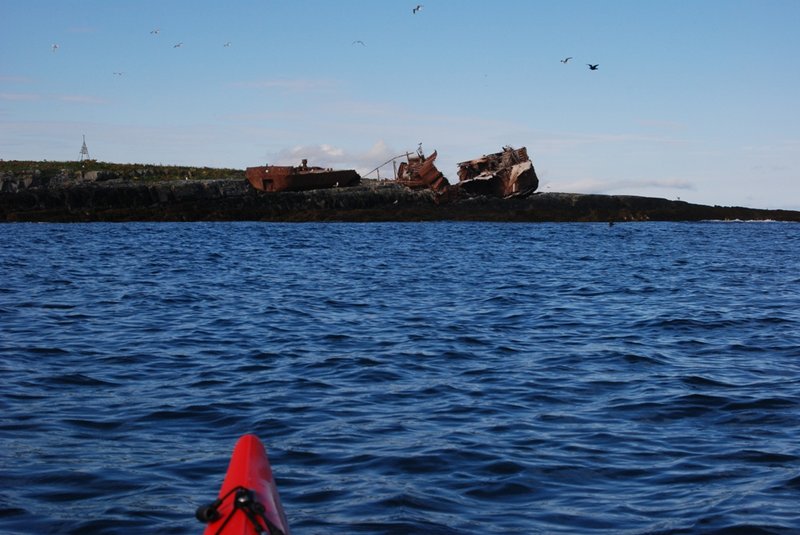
(694, 99)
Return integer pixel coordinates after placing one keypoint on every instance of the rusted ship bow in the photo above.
(300, 178)
(420, 172)
(505, 174)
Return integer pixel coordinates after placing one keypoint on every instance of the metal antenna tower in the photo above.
(84, 150)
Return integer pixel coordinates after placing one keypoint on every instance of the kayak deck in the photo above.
(248, 502)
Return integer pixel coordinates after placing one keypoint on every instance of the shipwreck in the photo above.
(299, 178)
(420, 172)
(509, 173)
(504, 174)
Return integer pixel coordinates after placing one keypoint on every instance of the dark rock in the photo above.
(104, 196)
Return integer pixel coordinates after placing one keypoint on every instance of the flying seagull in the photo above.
(178, 45)
(593, 67)
(227, 44)
(359, 43)
(155, 32)
(119, 73)
(416, 9)
(54, 47)
(566, 59)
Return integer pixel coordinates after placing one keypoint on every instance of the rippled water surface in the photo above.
(437, 378)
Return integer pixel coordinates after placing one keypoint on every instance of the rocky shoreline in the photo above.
(113, 196)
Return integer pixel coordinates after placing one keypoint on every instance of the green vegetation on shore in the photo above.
(131, 171)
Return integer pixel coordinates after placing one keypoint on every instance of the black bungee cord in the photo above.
(245, 501)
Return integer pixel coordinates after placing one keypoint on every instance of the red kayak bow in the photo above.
(248, 501)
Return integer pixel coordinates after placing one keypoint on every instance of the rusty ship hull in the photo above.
(504, 174)
(299, 178)
(420, 172)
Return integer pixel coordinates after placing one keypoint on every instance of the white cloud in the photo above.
(662, 124)
(16, 97)
(81, 99)
(288, 84)
(32, 97)
(15, 79)
(561, 141)
(332, 156)
(789, 146)
(593, 185)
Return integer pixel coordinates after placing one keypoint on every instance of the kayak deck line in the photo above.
(248, 502)
(244, 500)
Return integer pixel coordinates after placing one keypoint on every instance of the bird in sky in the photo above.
(226, 45)
(178, 45)
(54, 47)
(417, 9)
(593, 67)
(359, 43)
(155, 31)
(119, 73)
(566, 59)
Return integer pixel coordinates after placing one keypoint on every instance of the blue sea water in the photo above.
(437, 378)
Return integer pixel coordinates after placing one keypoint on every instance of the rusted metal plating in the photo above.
(420, 172)
(301, 178)
(505, 174)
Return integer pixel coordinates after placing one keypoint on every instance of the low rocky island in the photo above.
(98, 191)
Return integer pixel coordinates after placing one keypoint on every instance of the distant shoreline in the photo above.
(153, 193)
